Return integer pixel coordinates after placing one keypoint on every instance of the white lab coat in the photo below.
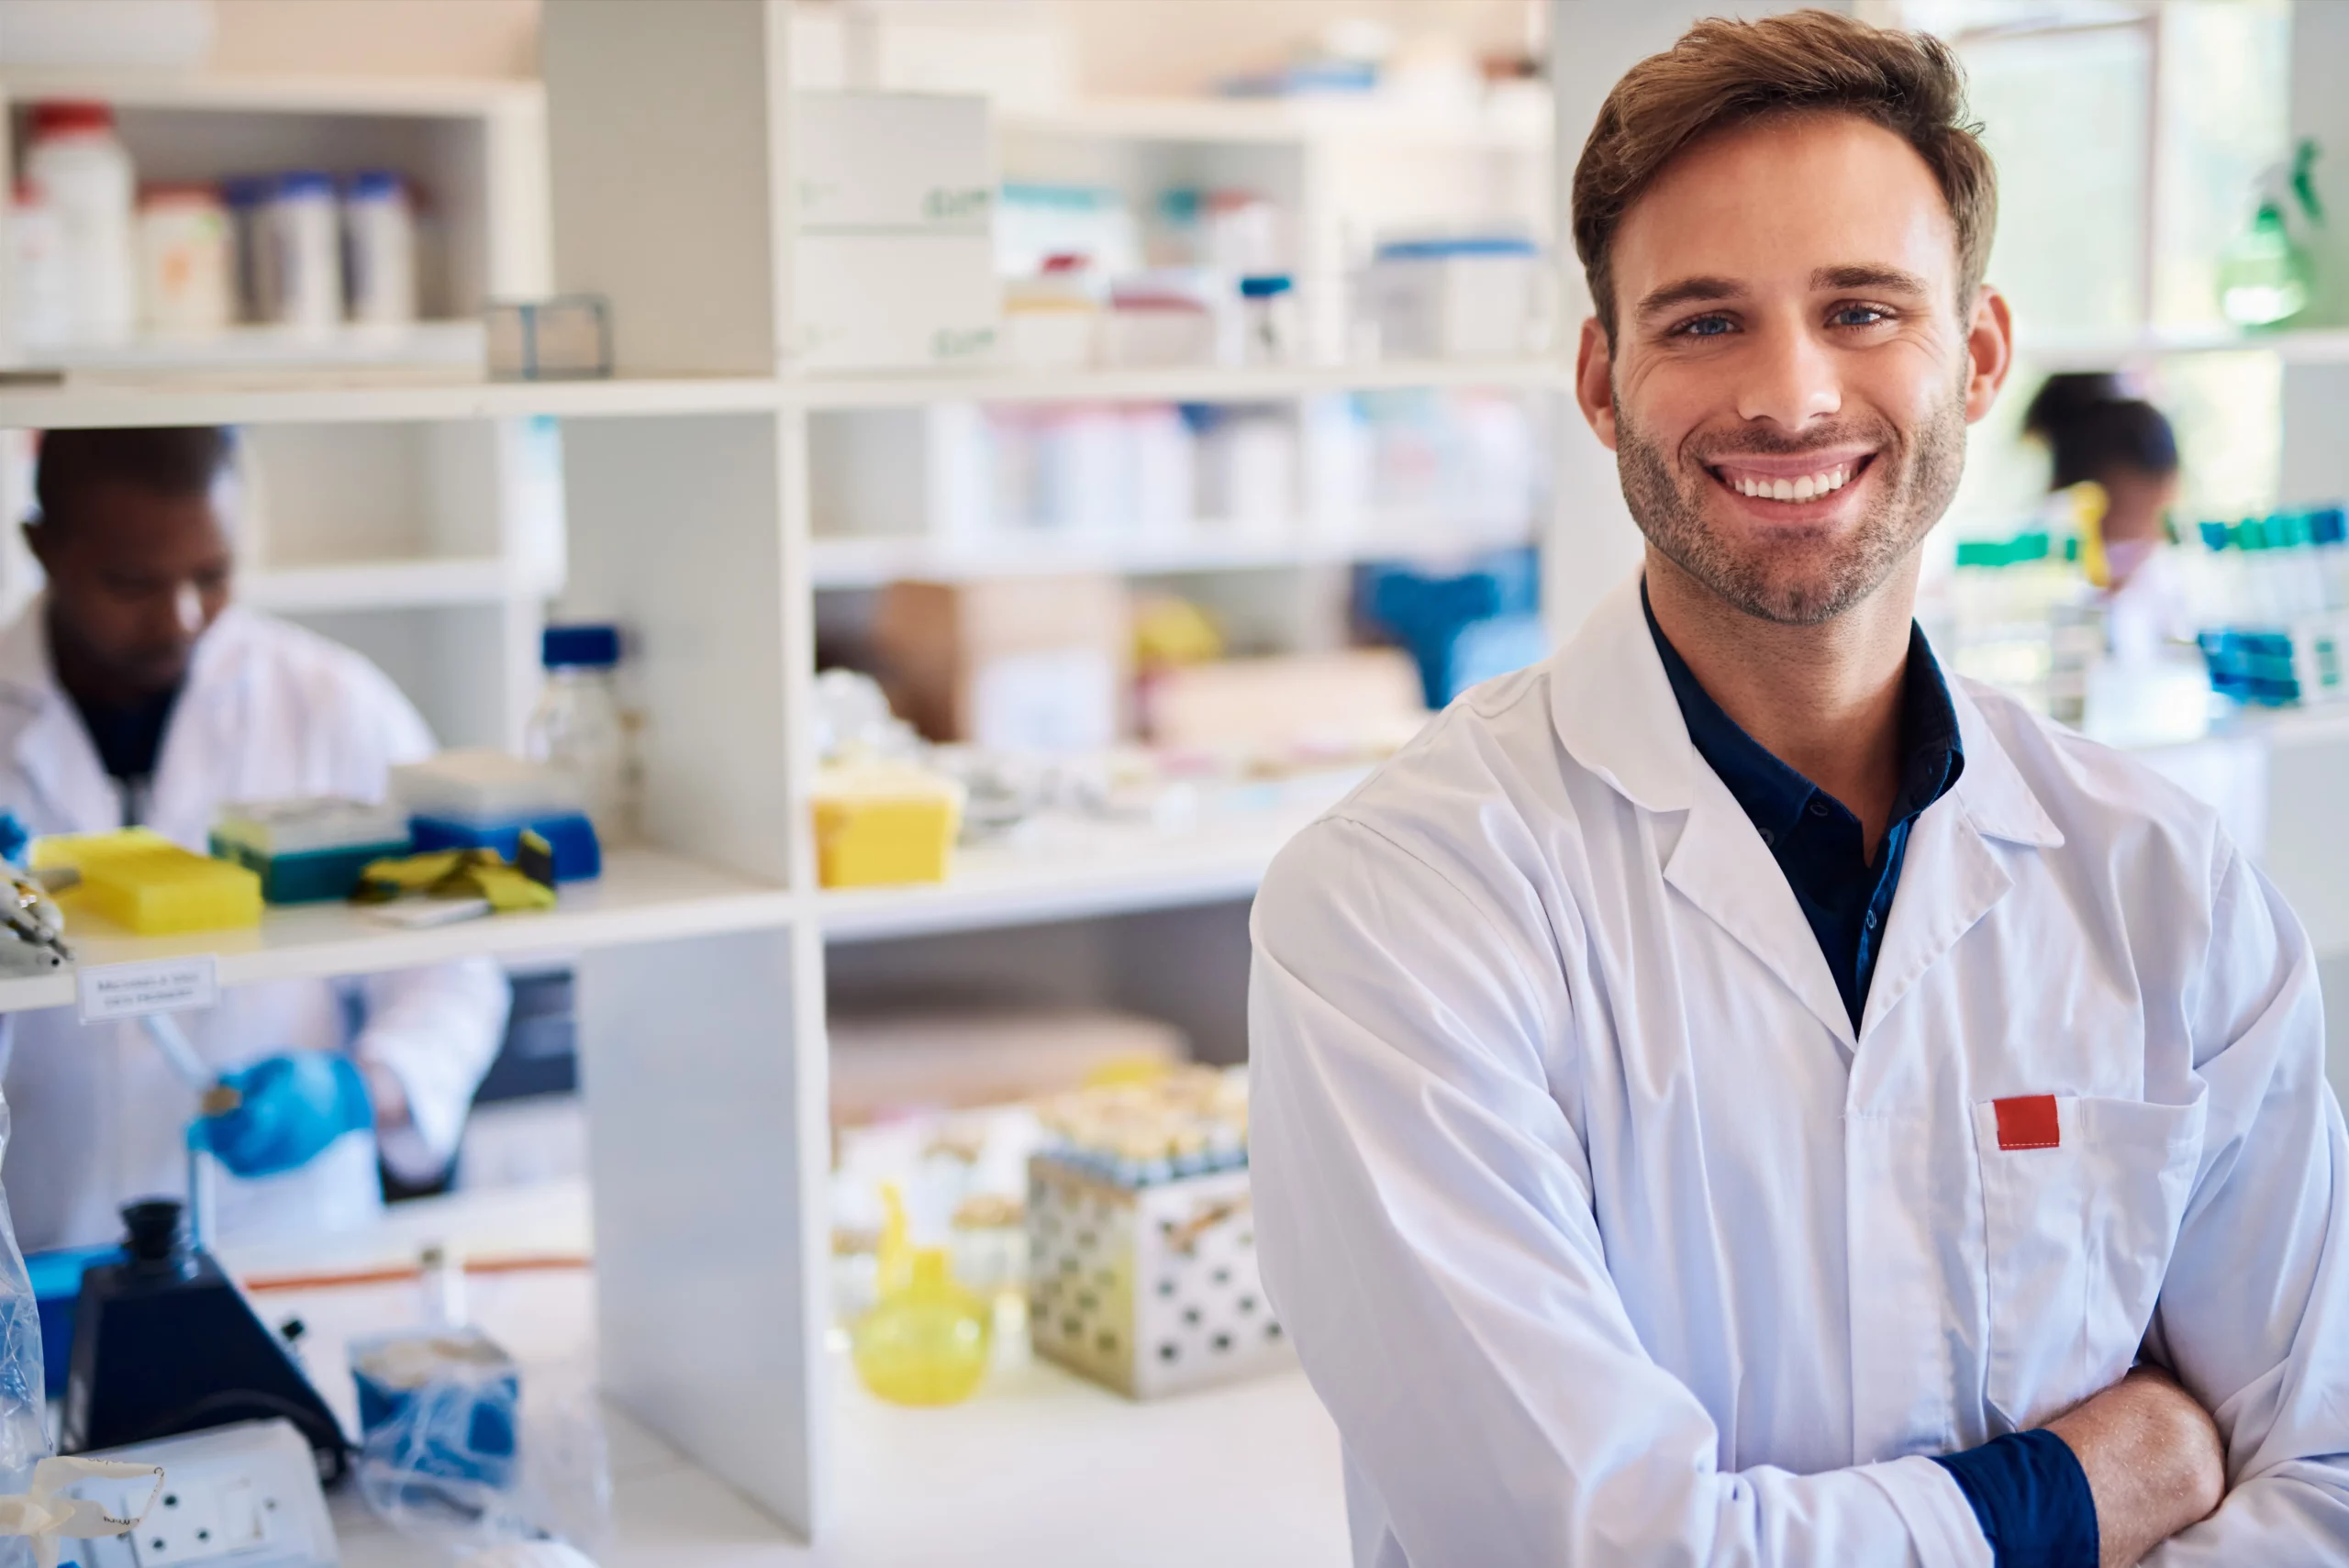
(269, 711)
(1605, 1241)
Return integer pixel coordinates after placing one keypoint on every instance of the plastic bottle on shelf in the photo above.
(304, 267)
(85, 175)
(927, 1340)
(578, 729)
(1270, 331)
(187, 261)
(38, 267)
(379, 249)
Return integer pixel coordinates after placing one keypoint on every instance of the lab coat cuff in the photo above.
(409, 1156)
(1939, 1521)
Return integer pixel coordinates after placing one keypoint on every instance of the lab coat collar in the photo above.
(1992, 791)
(1616, 713)
(52, 747)
(1614, 708)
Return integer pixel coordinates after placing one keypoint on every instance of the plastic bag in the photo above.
(24, 1422)
(475, 1458)
(35, 1509)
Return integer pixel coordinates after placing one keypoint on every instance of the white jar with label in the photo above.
(41, 276)
(85, 176)
(186, 268)
(299, 225)
(379, 249)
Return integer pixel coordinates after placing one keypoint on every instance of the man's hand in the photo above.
(2152, 1458)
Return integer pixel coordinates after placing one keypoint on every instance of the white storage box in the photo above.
(896, 301)
(478, 784)
(1455, 299)
(902, 161)
(1151, 1290)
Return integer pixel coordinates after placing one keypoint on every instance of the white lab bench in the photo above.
(1040, 1469)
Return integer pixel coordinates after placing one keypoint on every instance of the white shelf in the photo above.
(379, 586)
(867, 562)
(327, 398)
(2310, 345)
(1367, 119)
(642, 897)
(361, 394)
(1079, 870)
(1181, 383)
(450, 348)
(404, 97)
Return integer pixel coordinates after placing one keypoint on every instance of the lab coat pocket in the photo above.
(2078, 1230)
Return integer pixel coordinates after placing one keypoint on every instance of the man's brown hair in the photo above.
(1724, 74)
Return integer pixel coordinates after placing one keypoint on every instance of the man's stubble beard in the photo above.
(1775, 584)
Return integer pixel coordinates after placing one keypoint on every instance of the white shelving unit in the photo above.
(432, 551)
(414, 496)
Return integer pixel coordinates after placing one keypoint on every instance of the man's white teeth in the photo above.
(1808, 487)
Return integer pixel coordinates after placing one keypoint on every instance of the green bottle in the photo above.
(2265, 275)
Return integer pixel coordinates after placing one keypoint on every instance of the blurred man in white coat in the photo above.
(133, 692)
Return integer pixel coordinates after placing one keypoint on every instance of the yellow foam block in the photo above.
(144, 883)
(878, 824)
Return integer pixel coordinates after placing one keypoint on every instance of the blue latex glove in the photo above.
(289, 1109)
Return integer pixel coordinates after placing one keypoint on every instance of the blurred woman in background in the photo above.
(2125, 446)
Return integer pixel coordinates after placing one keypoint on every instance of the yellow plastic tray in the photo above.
(144, 883)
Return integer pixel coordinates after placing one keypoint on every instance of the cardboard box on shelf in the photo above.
(940, 1057)
(1361, 693)
(1012, 663)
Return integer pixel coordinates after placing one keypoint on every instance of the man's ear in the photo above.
(1989, 352)
(1595, 382)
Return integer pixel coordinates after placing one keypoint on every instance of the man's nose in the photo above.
(1789, 378)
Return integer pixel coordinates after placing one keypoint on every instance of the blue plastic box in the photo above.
(577, 857)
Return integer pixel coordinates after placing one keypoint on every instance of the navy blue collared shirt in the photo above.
(1814, 837)
(2027, 1489)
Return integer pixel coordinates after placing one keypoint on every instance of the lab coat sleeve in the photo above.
(437, 1029)
(2254, 1309)
(1426, 1230)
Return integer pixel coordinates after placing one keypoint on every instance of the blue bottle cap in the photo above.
(373, 186)
(585, 646)
(304, 184)
(1264, 286)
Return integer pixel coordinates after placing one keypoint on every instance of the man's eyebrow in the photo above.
(1688, 291)
(1869, 276)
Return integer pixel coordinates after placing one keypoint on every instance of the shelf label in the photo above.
(157, 985)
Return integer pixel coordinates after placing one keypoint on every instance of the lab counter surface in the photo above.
(1039, 1470)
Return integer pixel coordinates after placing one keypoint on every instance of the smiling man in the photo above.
(1731, 1095)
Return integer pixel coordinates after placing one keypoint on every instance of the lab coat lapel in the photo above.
(1726, 870)
(1953, 873)
(1615, 715)
(52, 751)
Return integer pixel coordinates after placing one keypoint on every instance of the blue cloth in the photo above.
(2027, 1488)
(2032, 1498)
(289, 1109)
(1814, 838)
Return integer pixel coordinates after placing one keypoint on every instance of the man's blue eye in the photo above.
(1705, 326)
(1858, 315)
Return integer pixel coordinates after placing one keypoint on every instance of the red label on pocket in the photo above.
(2029, 1121)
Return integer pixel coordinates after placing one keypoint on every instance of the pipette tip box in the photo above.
(309, 850)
